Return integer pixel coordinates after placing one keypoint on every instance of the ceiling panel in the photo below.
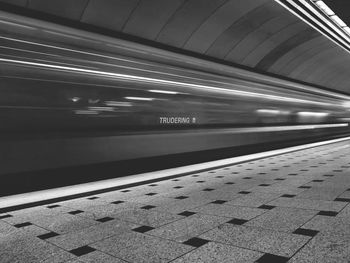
(16, 2)
(224, 17)
(150, 17)
(186, 20)
(110, 14)
(63, 8)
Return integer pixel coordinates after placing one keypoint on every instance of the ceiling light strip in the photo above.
(315, 9)
(343, 44)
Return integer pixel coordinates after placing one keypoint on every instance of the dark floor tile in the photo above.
(23, 224)
(152, 185)
(200, 182)
(208, 189)
(280, 179)
(186, 213)
(317, 181)
(289, 196)
(304, 187)
(268, 207)
(220, 176)
(150, 194)
(75, 212)
(148, 207)
(118, 202)
(244, 192)
(53, 206)
(264, 184)
(93, 197)
(327, 213)
(237, 221)
(269, 258)
(143, 229)
(195, 175)
(292, 174)
(305, 232)
(82, 251)
(261, 173)
(342, 199)
(125, 191)
(328, 175)
(178, 187)
(175, 180)
(219, 202)
(196, 242)
(181, 197)
(105, 219)
(230, 183)
(247, 177)
(5, 216)
(235, 173)
(48, 235)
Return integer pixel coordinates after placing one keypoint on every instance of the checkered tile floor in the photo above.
(288, 208)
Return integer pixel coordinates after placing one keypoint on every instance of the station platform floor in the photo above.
(292, 207)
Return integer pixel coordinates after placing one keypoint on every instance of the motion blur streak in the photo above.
(165, 82)
(94, 99)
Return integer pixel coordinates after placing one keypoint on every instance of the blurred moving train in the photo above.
(71, 98)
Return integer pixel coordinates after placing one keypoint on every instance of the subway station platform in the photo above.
(292, 207)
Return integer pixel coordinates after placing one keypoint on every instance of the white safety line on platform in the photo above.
(38, 196)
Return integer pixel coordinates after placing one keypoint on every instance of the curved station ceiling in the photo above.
(259, 34)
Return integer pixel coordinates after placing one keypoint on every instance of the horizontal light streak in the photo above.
(62, 34)
(280, 128)
(164, 91)
(346, 104)
(86, 112)
(72, 50)
(101, 109)
(273, 112)
(312, 114)
(29, 51)
(118, 103)
(127, 77)
(344, 119)
(139, 98)
(16, 25)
